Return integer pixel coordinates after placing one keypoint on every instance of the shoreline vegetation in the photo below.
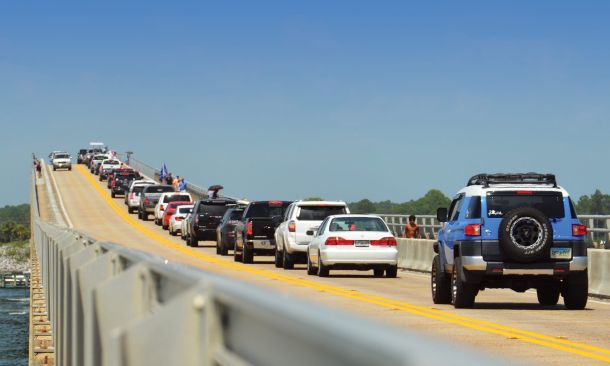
(14, 239)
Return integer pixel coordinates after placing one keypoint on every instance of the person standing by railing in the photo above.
(411, 228)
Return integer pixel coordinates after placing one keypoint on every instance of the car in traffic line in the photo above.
(149, 198)
(132, 199)
(165, 199)
(255, 231)
(175, 222)
(170, 211)
(291, 235)
(225, 232)
(120, 182)
(205, 219)
(517, 231)
(107, 166)
(95, 161)
(81, 156)
(61, 161)
(360, 242)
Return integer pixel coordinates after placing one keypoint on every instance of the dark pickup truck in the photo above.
(119, 184)
(254, 233)
(205, 218)
(149, 198)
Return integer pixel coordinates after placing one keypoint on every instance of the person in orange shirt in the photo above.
(411, 229)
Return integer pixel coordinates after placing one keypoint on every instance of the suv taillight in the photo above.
(114, 183)
(146, 201)
(249, 228)
(161, 208)
(387, 241)
(337, 240)
(579, 230)
(292, 227)
(472, 230)
(131, 196)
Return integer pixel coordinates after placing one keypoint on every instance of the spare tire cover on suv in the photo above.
(525, 235)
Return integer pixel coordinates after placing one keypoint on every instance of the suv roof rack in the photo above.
(513, 178)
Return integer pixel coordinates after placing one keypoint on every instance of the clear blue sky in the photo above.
(339, 99)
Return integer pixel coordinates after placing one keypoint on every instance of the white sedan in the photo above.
(361, 242)
(175, 222)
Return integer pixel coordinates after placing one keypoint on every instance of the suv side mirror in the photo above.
(309, 232)
(441, 214)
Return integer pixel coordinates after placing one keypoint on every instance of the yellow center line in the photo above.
(581, 349)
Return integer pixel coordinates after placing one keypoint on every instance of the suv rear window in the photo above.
(267, 209)
(213, 209)
(319, 213)
(158, 189)
(500, 203)
(178, 197)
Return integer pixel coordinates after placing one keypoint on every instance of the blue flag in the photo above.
(163, 172)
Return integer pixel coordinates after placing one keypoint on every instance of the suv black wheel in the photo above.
(548, 295)
(576, 290)
(287, 260)
(279, 259)
(462, 293)
(440, 283)
(236, 255)
(378, 272)
(248, 254)
(525, 235)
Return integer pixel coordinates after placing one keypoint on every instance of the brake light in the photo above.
(197, 220)
(178, 218)
(387, 241)
(161, 208)
(525, 193)
(131, 196)
(114, 183)
(170, 211)
(472, 230)
(275, 203)
(337, 240)
(146, 201)
(579, 230)
(249, 228)
(292, 227)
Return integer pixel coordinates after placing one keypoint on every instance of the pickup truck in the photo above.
(254, 233)
(149, 198)
(206, 216)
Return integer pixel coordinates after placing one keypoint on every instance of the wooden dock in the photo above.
(15, 280)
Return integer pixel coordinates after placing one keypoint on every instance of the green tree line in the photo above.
(14, 223)
(597, 203)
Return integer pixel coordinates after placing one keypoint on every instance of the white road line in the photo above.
(61, 202)
(51, 196)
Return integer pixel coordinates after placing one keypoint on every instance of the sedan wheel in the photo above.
(323, 271)
(311, 270)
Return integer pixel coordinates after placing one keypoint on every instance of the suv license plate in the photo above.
(361, 243)
(561, 253)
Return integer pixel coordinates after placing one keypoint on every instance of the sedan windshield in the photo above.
(357, 224)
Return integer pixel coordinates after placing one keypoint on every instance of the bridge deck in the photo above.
(502, 322)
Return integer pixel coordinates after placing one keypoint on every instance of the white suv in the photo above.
(61, 161)
(164, 201)
(107, 166)
(291, 236)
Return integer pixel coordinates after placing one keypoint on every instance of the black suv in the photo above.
(205, 218)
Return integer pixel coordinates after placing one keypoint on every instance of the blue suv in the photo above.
(516, 231)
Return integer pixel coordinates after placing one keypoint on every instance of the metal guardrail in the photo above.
(597, 225)
(428, 225)
(109, 305)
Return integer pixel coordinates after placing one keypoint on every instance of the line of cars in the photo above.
(321, 234)
(517, 231)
